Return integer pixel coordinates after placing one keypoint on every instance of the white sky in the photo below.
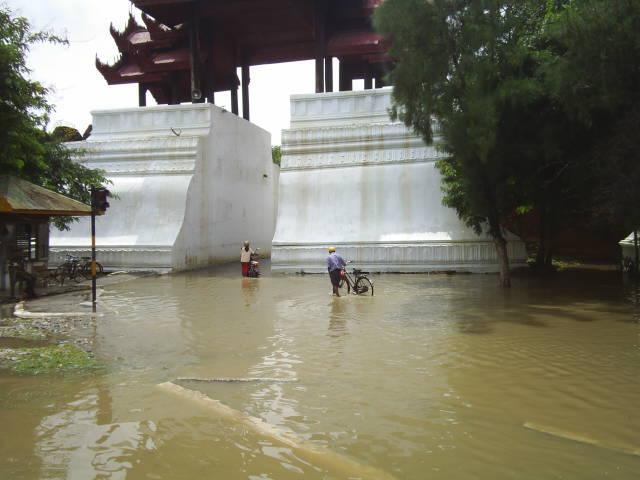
(77, 87)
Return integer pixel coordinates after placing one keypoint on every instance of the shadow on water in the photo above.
(476, 305)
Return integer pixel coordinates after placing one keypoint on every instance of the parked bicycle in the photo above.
(75, 268)
(85, 265)
(358, 281)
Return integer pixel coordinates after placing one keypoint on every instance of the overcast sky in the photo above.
(77, 87)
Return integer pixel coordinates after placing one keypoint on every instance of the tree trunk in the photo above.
(501, 251)
(503, 259)
(542, 244)
(637, 252)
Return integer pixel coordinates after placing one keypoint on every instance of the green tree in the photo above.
(596, 79)
(26, 149)
(276, 154)
(471, 66)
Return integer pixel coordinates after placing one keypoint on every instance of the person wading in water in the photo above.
(335, 264)
(245, 258)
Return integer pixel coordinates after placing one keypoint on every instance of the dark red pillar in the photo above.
(319, 19)
(245, 90)
(328, 74)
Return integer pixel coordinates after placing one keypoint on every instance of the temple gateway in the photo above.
(193, 181)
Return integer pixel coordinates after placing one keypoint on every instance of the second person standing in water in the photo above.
(245, 258)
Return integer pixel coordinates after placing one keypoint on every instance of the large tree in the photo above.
(26, 149)
(471, 66)
(596, 79)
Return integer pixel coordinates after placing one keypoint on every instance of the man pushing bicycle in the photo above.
(335, 264)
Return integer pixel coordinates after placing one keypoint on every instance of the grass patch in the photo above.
(50, 359)
(23, 332)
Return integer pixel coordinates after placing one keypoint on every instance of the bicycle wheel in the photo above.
(76, 273)
(85, 270)
(363, 286)
(57, 276)
(344, 287)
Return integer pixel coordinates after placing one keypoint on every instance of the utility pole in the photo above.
(93, 252)
(99, 205)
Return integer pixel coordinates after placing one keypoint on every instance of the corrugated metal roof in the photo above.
(22, 197)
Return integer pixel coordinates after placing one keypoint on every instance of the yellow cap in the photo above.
(332, 249)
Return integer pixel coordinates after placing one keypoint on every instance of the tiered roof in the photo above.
(234, 33)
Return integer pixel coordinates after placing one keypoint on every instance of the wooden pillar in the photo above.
(234, 100)
(174, 89)
(345, 80)
(194, 55)
(246, 78)
(142, 95)
(320, 47)
(328, 74)
(368, 77)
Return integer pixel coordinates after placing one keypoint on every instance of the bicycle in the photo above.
(85, 267)
(71, 268)
(359, 282)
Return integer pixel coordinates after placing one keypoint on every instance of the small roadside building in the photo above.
(25, 210)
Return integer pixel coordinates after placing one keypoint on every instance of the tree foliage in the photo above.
(470, 66)
(276, 154)
(537, 105)
(26, 149)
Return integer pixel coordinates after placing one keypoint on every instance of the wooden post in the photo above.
(344, 77)
(245, 89)
(319, 24)
(194, 55)
(93, 251)
(142, 95)
(328, 74)
(368, 78)
(234, 100)
(174, 98)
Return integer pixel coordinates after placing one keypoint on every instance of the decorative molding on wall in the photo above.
(359, 158)
(345, 142)
(146, 156)
(398, 257)
(324, 109)
(140, 258)
(188, 120)
(341, 108)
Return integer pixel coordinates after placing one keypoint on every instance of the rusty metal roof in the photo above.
(19, 196)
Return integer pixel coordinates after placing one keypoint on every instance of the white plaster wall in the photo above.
(352, 178)
(231, 197)
(190, 185)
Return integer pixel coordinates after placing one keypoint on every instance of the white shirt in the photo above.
(245, 255)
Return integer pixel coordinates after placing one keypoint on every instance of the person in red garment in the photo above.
(245, 258)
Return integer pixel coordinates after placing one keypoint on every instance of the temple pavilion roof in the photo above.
(184, 40)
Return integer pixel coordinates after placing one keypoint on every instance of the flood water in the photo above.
(432, 378)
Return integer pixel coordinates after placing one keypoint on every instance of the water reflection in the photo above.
(435, 377)
(250, 287)
(338, 318)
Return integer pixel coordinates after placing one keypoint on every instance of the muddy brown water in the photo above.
(432, 378)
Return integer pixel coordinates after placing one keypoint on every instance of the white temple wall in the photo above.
(354, 179)
(228, 200)
(191, 186)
